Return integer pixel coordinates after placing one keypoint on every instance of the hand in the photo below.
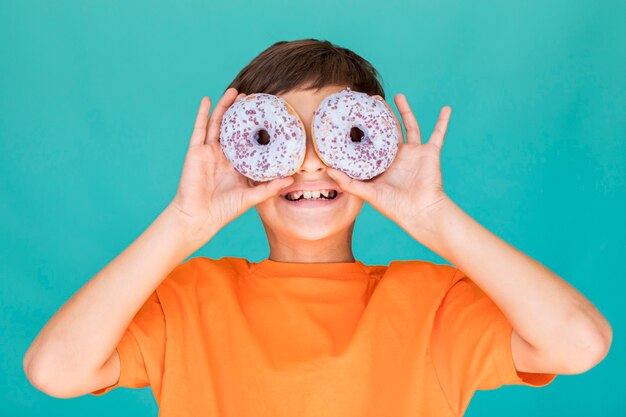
(412, 185)
(211, 193)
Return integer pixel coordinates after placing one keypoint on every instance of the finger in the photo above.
(413, 134)
(265, 190)
(398, 125)
(199, 129)
(360, 189)
(227, 99)
(440, 129)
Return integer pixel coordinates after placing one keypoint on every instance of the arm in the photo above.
(67, 355)
(556, 329)
(75, 352)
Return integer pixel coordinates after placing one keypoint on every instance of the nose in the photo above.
(312, 162)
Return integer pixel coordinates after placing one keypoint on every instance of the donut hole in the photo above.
(356, 134)
(262, 137)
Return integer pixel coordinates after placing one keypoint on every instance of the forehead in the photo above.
(306, 101)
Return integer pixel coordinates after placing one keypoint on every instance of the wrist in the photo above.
(189, 232)
(428, 226)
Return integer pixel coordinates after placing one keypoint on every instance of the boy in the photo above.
(310, 330)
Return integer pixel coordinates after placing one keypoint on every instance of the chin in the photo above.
(308, 233)
(308, 224)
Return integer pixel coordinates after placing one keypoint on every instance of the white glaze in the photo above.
(332, 122)
(284, 153)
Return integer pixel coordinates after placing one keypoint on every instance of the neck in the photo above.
(334, 248)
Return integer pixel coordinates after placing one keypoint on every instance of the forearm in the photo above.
(83, 334)
(546, 311)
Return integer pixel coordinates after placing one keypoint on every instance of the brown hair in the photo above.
(307, 64)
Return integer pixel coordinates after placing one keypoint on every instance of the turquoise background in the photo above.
(98, 100)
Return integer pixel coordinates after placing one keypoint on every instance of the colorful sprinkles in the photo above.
(332, 122)
(279, 150)
(240, 131)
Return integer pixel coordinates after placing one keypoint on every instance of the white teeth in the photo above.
(311, 194)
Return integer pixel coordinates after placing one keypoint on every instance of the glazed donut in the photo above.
(355, 133)
(263, 137)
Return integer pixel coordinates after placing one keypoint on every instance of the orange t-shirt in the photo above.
(229, 337)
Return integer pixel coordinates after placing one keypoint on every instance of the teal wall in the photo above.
(98, 99)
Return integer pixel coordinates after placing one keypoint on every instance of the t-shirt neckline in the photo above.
(338, 270)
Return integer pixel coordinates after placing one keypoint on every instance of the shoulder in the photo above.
(425, 270)
(427, 281)
(198, 281)
(202, 269)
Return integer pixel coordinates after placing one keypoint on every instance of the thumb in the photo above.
(263, 191)
(358, 188)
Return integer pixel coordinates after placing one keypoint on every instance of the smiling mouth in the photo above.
(311, 195)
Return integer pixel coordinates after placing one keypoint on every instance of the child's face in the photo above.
(309, 220)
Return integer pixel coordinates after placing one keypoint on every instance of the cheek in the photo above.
(353, 203)
(265, 208)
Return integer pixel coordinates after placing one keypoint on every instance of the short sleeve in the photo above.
(471, 345)
(142, 349)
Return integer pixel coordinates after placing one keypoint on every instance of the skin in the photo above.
(555, 328)
(310, 235)
(560, 331)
